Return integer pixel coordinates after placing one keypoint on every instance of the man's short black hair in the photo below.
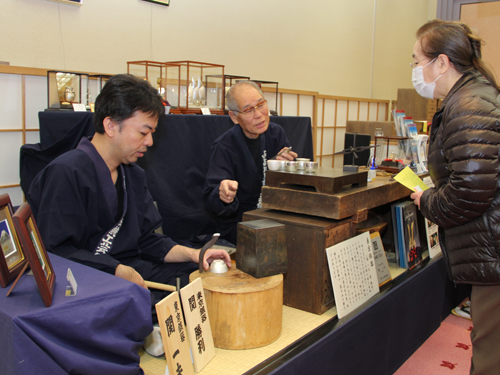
(122, 96)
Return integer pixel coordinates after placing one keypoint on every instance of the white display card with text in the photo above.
(353, 272)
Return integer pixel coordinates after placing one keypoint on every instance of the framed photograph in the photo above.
(35, 252)
(162, 2)
(12, 258)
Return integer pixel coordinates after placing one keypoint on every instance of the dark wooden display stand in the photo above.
(324, 180)
(350, 201)
(307, 284)
(315, 221)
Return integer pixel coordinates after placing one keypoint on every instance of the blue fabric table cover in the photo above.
(97, 331)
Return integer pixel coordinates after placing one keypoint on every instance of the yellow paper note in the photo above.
(409, 179)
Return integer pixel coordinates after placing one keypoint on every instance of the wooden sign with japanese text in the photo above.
(173, 335)
(198, 325)
(353, 272)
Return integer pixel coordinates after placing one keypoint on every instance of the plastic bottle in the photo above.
(372, 173)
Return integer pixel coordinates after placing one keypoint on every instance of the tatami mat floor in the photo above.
(296, 323)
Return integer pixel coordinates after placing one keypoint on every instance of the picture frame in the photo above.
(161, 2)
(12, 258)
(35, 252)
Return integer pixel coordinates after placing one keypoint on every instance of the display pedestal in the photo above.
(239, 306)
(307, 284)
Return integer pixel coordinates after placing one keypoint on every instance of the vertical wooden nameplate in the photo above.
(198, 325)
(173, 335)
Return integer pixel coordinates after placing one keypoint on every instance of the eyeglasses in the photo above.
(414, 64)
(250, 111)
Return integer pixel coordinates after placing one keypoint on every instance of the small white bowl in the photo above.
(274, 165)
(218, 266)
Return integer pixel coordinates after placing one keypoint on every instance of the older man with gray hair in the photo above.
(239, 158)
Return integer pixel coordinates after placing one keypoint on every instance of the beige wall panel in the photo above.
(328, 134)
(32, 137)
(330, 113)
(338, 161)
(289, 105)
(383, 110)
(10, 101)
(339, 146)
(373, 112)
(342, 108)
(36, 99)
(328, 49)
(395, 28)
(271, 100)
(10, 142)
(485, 17)
(319, 151)
(363, 111)
(353, 111)
(339, 141)
(326, 161)
(319, 112)
(306, 106)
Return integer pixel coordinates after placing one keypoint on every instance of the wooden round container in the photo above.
(244, 312)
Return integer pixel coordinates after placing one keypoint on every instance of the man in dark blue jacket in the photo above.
(239, 158)
(92, 204)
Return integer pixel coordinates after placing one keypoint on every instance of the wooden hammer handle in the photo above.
(168, 288)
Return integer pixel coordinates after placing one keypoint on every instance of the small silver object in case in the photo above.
(218, 266)
(69, 94)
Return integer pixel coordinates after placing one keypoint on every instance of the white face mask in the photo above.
(423, 88)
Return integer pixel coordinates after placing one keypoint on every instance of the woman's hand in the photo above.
(416, 198)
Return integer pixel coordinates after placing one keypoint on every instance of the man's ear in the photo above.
(110, 126)
(233, 117)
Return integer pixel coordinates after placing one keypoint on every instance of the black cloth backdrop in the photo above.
(175, 165)
(59, 132)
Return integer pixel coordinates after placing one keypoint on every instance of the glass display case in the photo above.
(65, 89)
(227, 81)
(95, 85)
(200, 85)
(390, 153)
(270, 90)
(166, 77)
